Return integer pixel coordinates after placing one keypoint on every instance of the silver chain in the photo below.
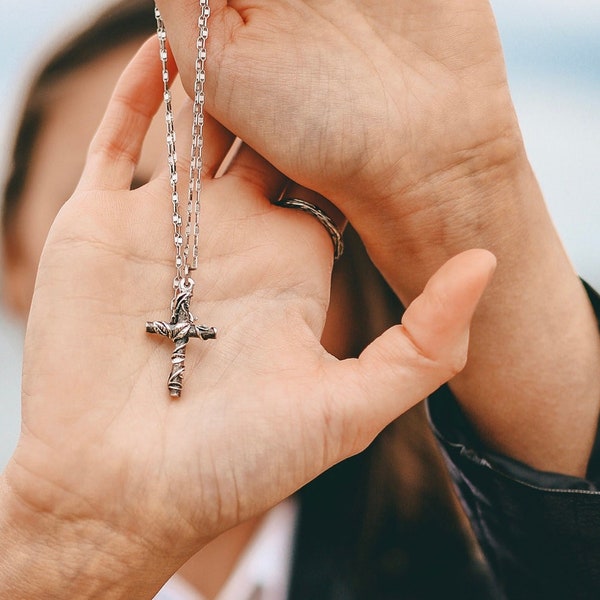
(187, 239)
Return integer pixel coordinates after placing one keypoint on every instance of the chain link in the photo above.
(186, 239)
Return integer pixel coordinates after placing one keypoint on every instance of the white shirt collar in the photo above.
(262, 571)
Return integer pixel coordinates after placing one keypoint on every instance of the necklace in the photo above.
(181, 327)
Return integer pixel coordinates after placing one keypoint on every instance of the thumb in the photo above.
(437, 322)
(409, 361)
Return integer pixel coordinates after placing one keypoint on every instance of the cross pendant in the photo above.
(180, 330)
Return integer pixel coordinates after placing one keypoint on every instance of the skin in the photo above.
(110, 490)
(77, 103)
(74, 111)
(65, 136)
(439, 167)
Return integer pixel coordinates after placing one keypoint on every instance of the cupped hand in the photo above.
(383, 107)
(264, 408)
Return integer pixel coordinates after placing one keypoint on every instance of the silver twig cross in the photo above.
(186, 236)
(180, 330)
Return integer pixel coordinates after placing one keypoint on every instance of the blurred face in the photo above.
(75, 108)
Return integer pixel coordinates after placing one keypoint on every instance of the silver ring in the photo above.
(323, 218)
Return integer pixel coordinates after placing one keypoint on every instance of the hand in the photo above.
(117, 481)
(373, 104)
(399, 112)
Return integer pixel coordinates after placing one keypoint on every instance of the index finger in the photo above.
(115, 149)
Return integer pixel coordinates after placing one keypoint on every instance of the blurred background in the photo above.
(553, 56)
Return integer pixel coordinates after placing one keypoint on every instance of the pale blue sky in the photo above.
(553, 56)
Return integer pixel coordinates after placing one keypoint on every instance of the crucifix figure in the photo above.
(180, 330)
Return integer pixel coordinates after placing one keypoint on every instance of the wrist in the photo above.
(524, 399)
(50, 557)
(489, 201)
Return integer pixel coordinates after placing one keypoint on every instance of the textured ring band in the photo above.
(322, 217)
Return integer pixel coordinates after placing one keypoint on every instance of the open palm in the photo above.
(264, 407)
